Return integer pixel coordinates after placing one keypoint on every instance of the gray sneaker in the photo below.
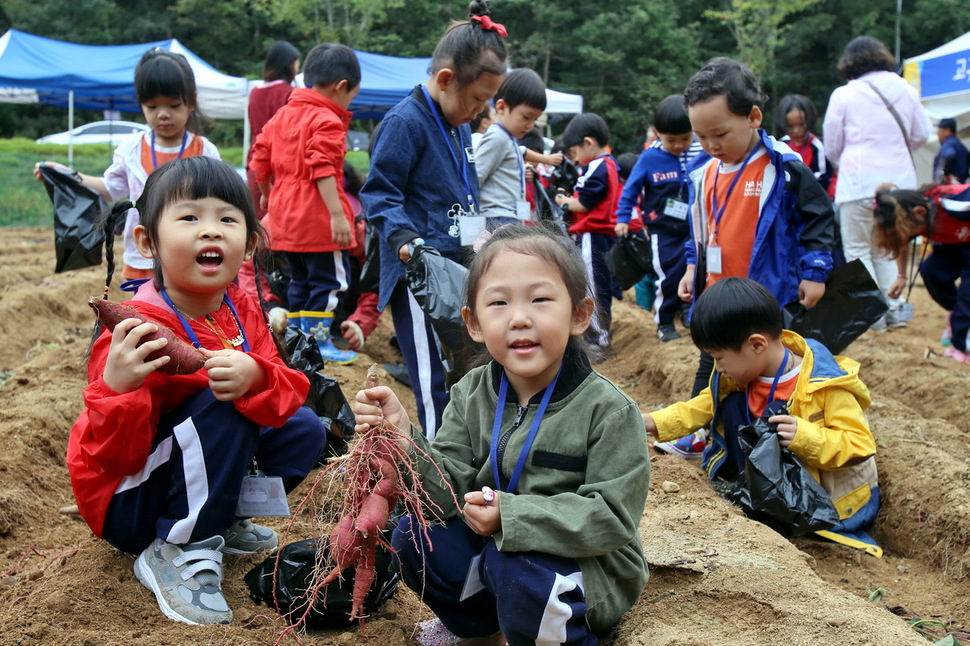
(246, 537)
(667, 332)
(186, 580)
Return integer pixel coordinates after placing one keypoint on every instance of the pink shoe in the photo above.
(953, 353)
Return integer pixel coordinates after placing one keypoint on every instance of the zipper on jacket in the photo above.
(503, 441)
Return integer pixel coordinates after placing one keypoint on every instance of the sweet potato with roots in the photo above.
(185, 359)
(378, 473)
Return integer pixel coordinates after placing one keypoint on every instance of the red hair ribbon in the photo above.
(490, 25)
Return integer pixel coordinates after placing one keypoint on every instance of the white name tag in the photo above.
(713, 260)
(470, 154)
(523, 210)
(471, 227)
(906, 312)
(262, 496)
(676, 209)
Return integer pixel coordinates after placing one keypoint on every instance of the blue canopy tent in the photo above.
(100, 77)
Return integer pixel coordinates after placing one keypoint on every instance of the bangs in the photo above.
(163, 76)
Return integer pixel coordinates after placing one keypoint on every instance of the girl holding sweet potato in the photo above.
(158, 461)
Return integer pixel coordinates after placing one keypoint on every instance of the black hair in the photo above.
(523, 87)
(163, 73)
(896, 222)
(726, 76)
(587, 124)
(190, 178)
(542, 241)
(864, 54)
(470, 49)
(533, 140)
(329, 63)
(670, 117)
(279, 62)
(353, 179)
(730, 311)
(797, 102)
(625, 164)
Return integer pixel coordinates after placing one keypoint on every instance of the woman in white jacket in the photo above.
(872, 125)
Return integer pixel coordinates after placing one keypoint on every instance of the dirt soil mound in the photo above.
(716, 577)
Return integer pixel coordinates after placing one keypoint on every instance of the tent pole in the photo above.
(246, 142)
(70, 128)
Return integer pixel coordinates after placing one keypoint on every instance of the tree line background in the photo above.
(623, 56)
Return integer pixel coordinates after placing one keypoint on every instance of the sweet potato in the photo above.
(185, 359)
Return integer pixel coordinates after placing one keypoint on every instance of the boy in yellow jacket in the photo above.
(738, 322)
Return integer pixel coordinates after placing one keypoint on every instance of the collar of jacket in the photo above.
(575, 369)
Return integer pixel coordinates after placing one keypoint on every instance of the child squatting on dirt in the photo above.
(554, 549)
(757, 363)
(158, 461)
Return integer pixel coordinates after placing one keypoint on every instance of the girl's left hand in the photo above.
(233, 374)
(484, 518)
(787, 426)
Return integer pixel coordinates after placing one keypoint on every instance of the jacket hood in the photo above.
(824, 369)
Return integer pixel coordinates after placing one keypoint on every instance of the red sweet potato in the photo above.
(185, 359)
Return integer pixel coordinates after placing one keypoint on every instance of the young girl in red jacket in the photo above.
(942, 214)
(159, 463)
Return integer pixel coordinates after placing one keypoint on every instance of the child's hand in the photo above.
(125, 368)
(650, 425)
(787, 426)
(485, 518)
(621, 229)
(351, 331)
(896, 289)
(340, 231)
(810, 292)
(530, 173)
(233, 374)
(49, 163)
(685, 288)
(264, 201)
(374, 406)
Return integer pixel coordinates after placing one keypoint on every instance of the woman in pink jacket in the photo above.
(872, 125)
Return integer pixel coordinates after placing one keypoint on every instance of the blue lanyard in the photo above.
(719, 213)
(188, 327)
(774, 384)
(518, 156)
(503, 391)
(185, 140)
(460, 164)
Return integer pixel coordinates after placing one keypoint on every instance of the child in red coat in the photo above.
(301, 150)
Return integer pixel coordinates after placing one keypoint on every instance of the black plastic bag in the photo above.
(547, 210)
(630, 260)
(370, 273)
(775, 488)
(333, 603)
(326, 399)
(78, 237)
(438, 285)
(851, 304)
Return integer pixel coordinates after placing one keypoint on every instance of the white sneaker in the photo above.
(186, 580)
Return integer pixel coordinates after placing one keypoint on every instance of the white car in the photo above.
(96, 132)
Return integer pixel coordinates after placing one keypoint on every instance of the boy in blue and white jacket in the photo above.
(659, 181)
(778, 228)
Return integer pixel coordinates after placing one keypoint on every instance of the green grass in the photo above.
(24, 200)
